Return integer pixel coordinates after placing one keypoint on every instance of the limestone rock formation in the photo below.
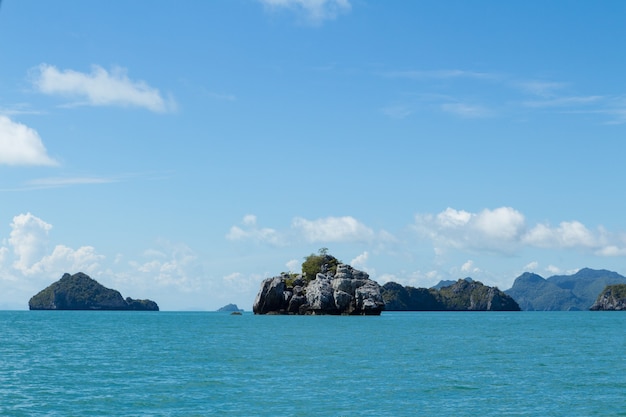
(346, 292)
(80, 292)
(612, 298)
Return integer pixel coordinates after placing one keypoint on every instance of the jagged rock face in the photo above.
(612, 298)
(349, 291)
(271, 296)
(80, 292)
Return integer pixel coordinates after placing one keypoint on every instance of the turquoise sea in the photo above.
(83, 363)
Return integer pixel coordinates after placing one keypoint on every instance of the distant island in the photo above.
(462, 295)
(229, 308)
(575, 292)
(80, 292)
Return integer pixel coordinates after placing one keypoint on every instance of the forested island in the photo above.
(80, 292)
(574, 292)
(462, 295)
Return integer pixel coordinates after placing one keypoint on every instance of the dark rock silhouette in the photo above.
(80, 292)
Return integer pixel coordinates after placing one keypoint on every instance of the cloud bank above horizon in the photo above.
(28, 256)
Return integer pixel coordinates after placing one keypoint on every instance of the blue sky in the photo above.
(184, 152)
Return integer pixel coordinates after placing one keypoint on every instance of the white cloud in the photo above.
(504, 230)
(171, 265)
(360, 262)
(453, 218)
(21, 145)
(314, 10)
(531, 266)
(65, 259)
(249, 220)
(99, 88)
(250, 231)
(503, 223)
(566, 235)
(553, 269)
(469, 267)
(238, 282)
(29, 239)
(294, 265)
(611, 250)
(344, 229)
(494, 230)
(3, 256)
(333, 229)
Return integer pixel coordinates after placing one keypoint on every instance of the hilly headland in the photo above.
(462, 295)
(81, 292)
(573, 292)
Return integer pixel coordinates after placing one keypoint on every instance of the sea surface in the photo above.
(84, 363)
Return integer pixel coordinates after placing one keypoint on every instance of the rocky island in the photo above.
(612, 298)
(463, 295)
(326, 286)
(80, 292)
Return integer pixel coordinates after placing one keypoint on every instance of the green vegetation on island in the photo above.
(80, 292)
(562, 292)
(463, 295)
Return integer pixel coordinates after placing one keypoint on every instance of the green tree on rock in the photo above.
(322, 262)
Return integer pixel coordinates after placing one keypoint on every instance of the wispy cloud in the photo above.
(476, 94)
(54, 182)
(333, 229)
(574, 101)
(467, 111)
(441, 74)
(21, 145)
(397, 111)
(99, 88)
(248, 230)
(322, 230)
(315, 11)
(545, 89)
